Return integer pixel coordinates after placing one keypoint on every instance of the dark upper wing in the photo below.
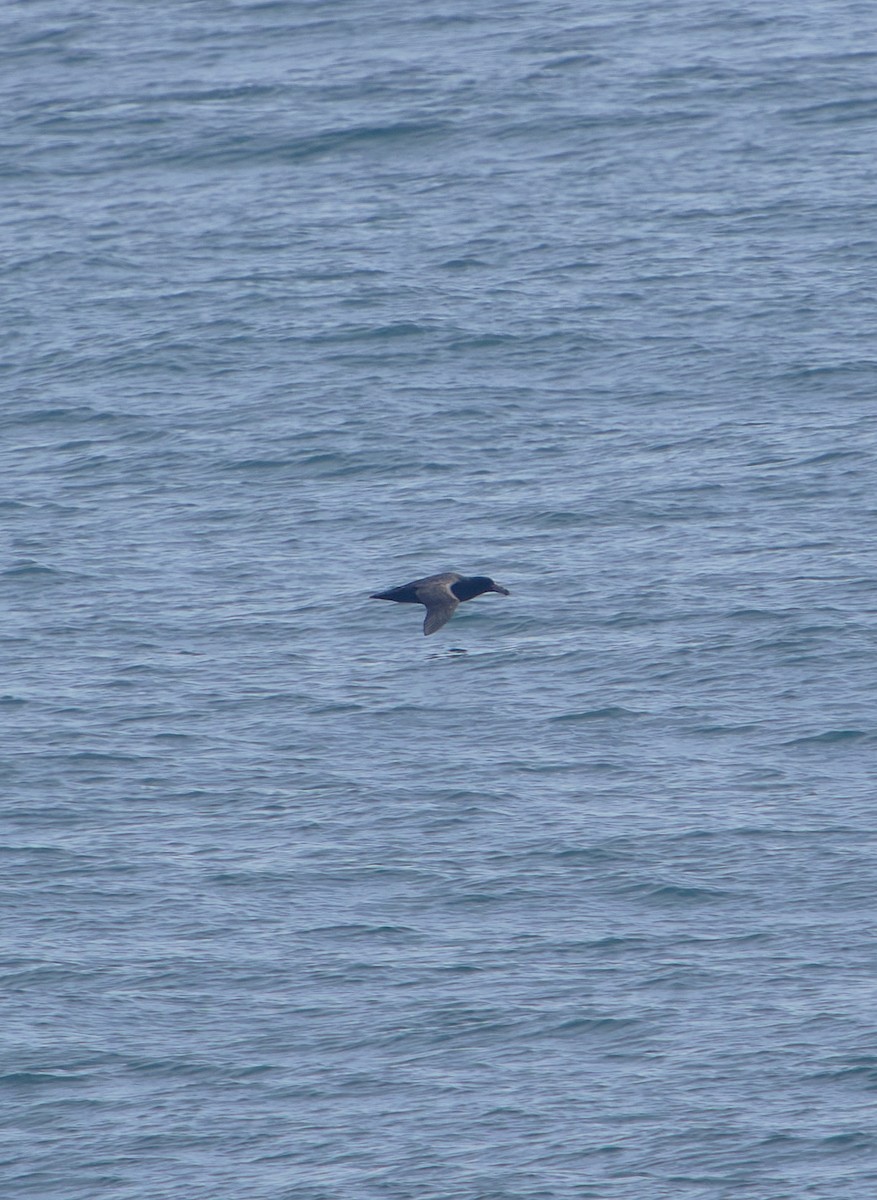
(420, 591)
(439, 610)
(406, 594)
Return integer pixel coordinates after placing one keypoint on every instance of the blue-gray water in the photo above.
(304, 300)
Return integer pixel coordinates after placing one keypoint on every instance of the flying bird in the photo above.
(440, 594)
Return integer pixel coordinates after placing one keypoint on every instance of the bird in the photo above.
(440, 594)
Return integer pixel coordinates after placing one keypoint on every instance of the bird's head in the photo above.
(476, 585)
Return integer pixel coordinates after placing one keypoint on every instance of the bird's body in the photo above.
(440, 595)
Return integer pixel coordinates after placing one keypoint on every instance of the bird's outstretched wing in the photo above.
(439, 610)
(406, 594)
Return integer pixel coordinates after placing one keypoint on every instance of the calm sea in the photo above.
(575, 899)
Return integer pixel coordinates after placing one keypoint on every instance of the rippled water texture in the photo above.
(575, 898)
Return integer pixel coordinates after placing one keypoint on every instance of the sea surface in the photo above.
(304, 299)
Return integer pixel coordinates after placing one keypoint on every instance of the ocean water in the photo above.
(574, 899)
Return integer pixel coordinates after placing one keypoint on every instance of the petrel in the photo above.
(440, 594)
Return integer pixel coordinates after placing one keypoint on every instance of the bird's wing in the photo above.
(431, 582)
(419, 591)
(406, 594)
(439, 610)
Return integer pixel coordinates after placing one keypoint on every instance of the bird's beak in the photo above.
(502, 591)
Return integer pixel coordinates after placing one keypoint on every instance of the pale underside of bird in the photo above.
(440, 595)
